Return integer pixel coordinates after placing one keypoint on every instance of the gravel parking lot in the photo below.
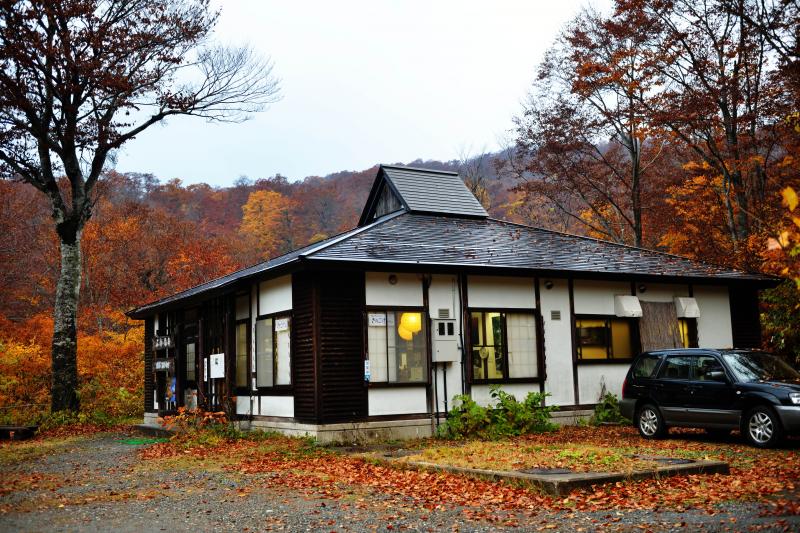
(98, 483)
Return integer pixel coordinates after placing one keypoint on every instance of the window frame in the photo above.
(539, 349)
(246, 322)
(636, 341)
(274, 390)
(428, 345)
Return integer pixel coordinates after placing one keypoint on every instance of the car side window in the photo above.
(646, 366)
(676, 367)
(708, 368)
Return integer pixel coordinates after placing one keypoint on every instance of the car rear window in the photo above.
(676, 367)
(645, 367)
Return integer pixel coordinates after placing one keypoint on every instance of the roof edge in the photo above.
(639, 248)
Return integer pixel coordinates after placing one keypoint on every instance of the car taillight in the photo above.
(625, 386)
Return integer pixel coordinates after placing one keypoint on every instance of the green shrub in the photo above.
(608, 410)
(505, 418)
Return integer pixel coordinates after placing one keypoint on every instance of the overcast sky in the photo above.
(364, 82)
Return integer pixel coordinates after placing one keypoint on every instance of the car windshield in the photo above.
(759, 366)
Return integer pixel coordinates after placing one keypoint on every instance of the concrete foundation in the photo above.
(347, 433)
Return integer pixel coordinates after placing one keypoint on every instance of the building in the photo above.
(372, 332)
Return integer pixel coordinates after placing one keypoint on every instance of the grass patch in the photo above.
(514, 455)
(15, 452)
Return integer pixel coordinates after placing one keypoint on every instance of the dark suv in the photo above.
(718, 390)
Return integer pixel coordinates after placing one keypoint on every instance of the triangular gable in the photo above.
(418, 190)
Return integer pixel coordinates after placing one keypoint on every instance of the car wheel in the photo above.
(650, 423)
(761, 427)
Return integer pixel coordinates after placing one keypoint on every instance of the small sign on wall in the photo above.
(281, 324)
(367, 372)
(162, 342)
(217, 365)
(377, 319)
(163, 365)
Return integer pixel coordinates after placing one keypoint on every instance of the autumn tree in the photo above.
(583, 143)
(719, 98)
(79, 79)
(267, 224)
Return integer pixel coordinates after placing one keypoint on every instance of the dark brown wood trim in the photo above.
(466, 341)
(575, 384)
(506, 381)
(589, 362)
(411, 416)
(540, 347)
(579, 407)
(315, 295)
(396, 385)
(277, 390)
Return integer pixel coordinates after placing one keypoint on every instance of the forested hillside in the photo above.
(666, 125)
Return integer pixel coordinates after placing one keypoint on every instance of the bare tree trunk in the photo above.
(65, 336)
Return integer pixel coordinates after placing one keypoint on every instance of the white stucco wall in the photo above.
(660, 292)
(714, 324)
(501, 292)
(275, 295)
(557, 342)
(482, 393)
(597, 297)
(443, 294)
(265, 405)
(397, 401)
(406, 292)
(591, 379)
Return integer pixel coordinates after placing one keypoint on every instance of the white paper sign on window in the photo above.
(281, 324)
(217, 364)
(376, 319)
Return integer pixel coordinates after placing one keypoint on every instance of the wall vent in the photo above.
(555, 315)
(444, 313)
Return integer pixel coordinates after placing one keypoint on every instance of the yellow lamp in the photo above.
(404, 333)
(411, 322)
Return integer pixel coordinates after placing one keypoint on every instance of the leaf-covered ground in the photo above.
(113, 481)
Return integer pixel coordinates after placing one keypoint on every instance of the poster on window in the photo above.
(217, 364)
(376, 319)
(281, 324)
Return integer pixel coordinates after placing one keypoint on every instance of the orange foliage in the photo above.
(266, 222)
(110, 366)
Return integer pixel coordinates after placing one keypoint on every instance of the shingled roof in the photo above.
(470, 242)
(420, 190)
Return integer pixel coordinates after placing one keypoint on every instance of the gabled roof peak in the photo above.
(419, 190)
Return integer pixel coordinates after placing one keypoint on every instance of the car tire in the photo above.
(761, 427)
(650, 423)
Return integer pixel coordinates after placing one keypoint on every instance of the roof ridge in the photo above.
(420, 169)
(621, 245)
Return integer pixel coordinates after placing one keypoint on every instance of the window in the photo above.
(191, 362)
(396, 346)
(646, 366)
(273, 351)
(676, 367)
(707, 368)
(687, 327)
(599, 338)
(503, 345)
(242, 353)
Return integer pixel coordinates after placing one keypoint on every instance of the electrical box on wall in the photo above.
(445, 341)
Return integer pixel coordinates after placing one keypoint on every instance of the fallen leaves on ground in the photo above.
(294, 463)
